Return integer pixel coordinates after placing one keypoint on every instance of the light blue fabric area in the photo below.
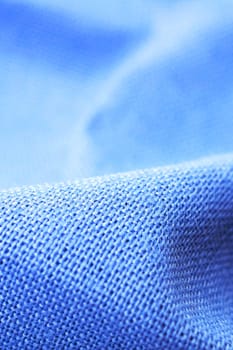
(91, 89)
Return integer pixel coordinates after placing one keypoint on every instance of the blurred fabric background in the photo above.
(89, 88)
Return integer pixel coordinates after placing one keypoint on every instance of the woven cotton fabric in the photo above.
(137, 260)
(140, 260)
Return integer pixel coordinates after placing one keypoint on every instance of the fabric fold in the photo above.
(140, 260)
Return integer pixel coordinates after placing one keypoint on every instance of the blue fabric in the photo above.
(87, 89)
(137, 260)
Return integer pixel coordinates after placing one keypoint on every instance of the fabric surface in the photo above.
(141, 259)
(91, 88)
(136, 261)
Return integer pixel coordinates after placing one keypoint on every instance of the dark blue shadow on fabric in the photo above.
(63, 43)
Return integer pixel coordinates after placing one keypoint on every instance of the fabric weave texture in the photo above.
(141, 260)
